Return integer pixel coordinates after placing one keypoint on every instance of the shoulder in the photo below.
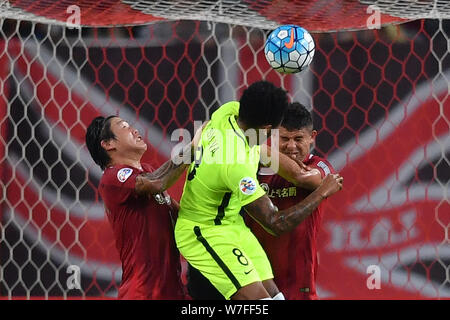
(321, 163)
(117, 174)
(227, 109)
(117, 184)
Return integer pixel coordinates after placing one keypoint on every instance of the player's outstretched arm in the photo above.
(159, 180)
(279, 222)
(165, 176)
(297, 173)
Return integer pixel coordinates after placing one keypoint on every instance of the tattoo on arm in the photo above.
(279, 222)
(286, 220)
(162, 178)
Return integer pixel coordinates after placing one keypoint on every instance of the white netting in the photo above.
(413, 9)
(262, 13)
(7, 11)
(231, 12)
(315, 15)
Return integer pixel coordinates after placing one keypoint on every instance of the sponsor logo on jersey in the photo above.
(265, 187)
(247, 186)
(124, 174)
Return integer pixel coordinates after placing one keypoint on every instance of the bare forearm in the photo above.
(309, 180)
(162, 178)
(167, 174)
(288, 219)
(290, 170)
(278, 222)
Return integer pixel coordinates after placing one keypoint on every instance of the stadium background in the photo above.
(380, 103)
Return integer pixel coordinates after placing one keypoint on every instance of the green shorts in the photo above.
(230, 256)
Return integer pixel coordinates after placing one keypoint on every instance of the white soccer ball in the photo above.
(289, 49)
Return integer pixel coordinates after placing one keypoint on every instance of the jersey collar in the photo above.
(237, 129)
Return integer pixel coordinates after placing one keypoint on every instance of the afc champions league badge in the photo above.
(247, 186)
(123, 174)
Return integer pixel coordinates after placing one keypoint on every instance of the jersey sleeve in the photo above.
(241, 180)
(324, 167)
(119, 185)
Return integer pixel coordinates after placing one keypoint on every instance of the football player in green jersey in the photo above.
(210, 233)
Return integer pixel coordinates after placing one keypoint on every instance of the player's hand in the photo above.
(330, 185)
(198, 135)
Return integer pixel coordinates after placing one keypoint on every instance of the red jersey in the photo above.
(144, 237)
(293, 255)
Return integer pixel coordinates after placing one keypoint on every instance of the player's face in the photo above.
(127, 137)
(297, 143)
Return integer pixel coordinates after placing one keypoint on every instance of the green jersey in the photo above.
(222, 178)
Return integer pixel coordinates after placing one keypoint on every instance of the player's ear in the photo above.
(312, 140)
(108, 145)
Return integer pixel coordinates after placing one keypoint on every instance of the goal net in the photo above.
(378, 88)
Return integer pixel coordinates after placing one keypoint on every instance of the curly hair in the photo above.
(262, 103)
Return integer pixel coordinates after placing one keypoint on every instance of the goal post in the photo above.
(378, 88)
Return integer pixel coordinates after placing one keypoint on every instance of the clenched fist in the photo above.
(331, 184)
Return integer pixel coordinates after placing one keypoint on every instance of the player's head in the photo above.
(296, 132)
(110, 140)
(262, 105)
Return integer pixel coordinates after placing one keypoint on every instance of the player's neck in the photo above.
(132, 162)
(244, 128)
(241, 125)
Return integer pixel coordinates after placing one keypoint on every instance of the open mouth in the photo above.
(292, 155)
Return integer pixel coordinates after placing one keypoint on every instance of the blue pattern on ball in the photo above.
(289, 53)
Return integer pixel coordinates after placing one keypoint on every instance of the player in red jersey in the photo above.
(293, 255)
(138, 209)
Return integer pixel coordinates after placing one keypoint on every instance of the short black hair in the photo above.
(297, 117)
(99, 130)
(262, 103)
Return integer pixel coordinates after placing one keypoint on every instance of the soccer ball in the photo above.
(289, 49)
